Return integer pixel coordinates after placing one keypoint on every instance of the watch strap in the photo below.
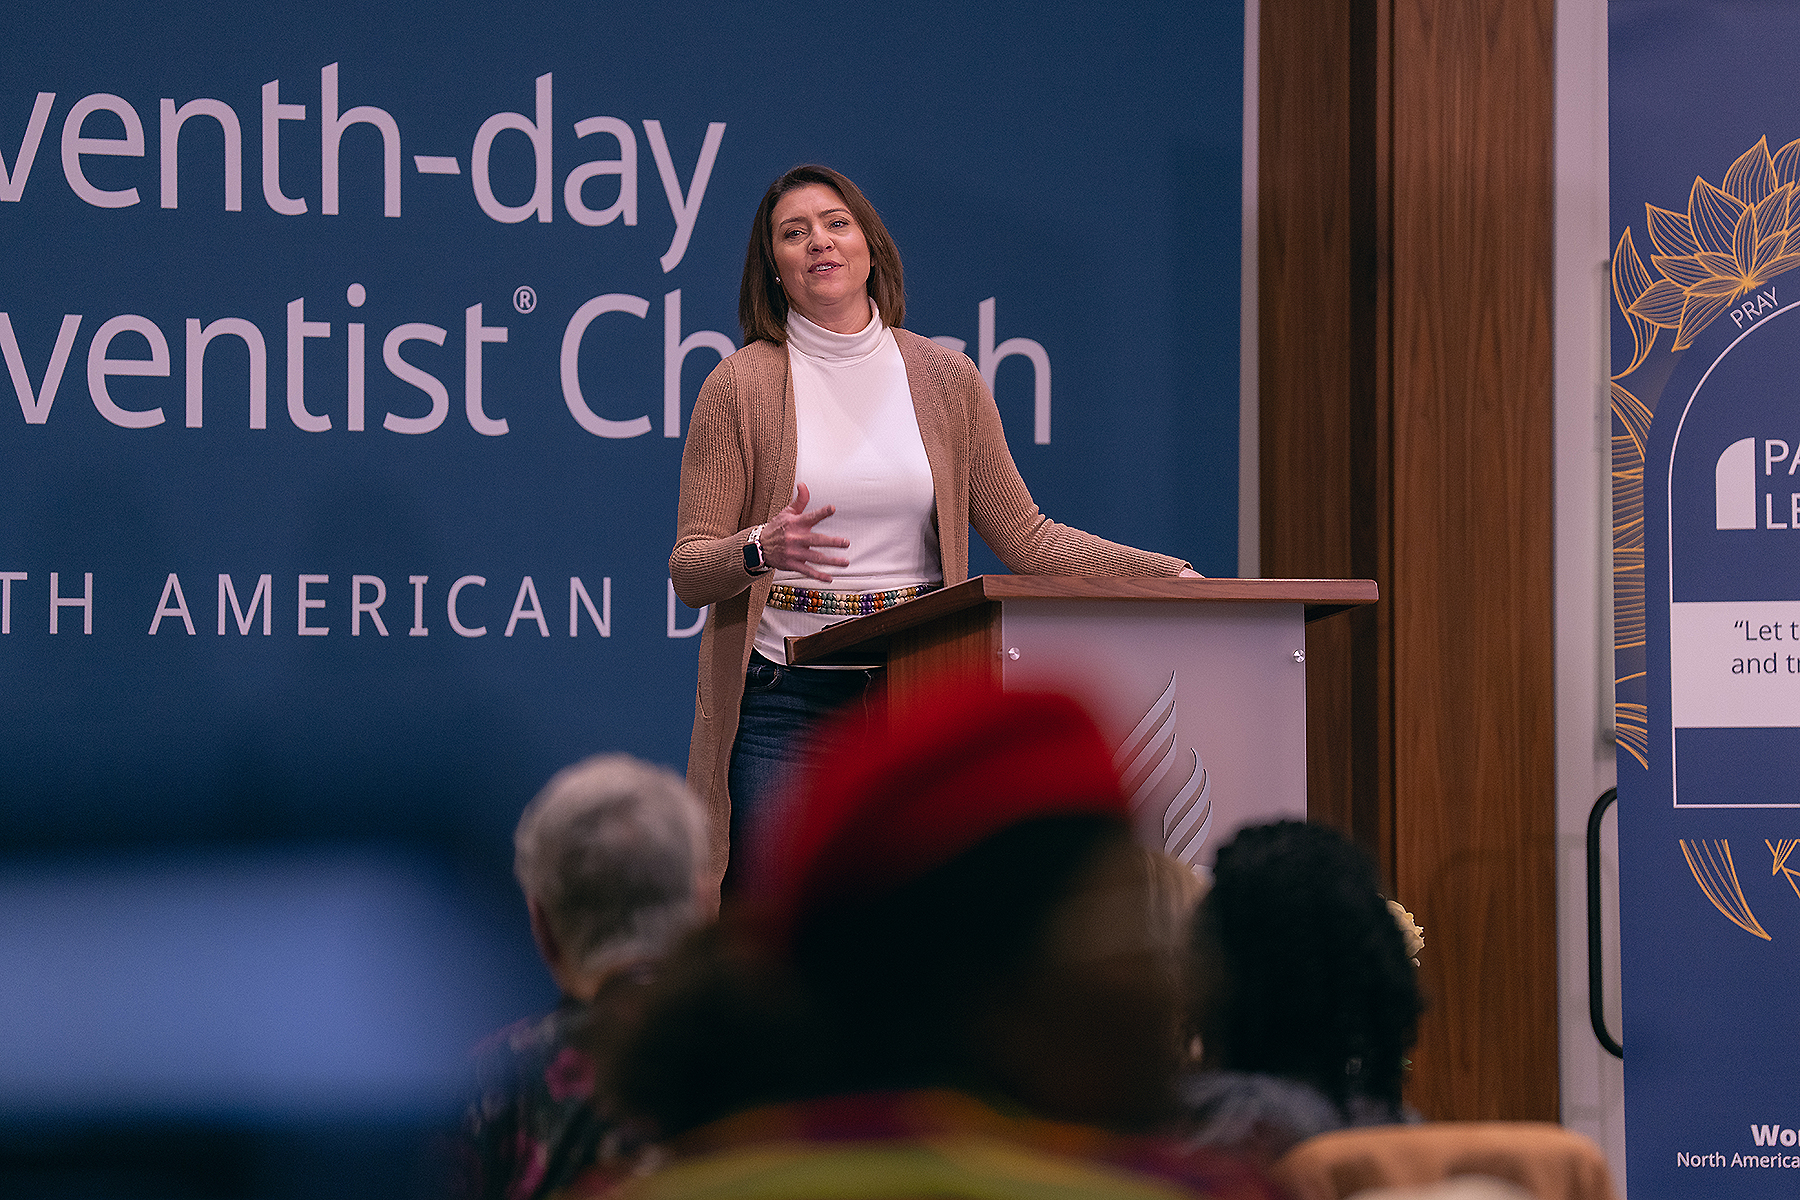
(754, 562)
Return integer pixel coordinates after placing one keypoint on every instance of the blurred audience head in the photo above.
(1300, 970)
(607, 855)
(953, 900)
(1175, 892)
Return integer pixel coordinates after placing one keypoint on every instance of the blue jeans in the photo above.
(777, 731)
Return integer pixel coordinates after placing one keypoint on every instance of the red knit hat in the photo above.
(884, 804)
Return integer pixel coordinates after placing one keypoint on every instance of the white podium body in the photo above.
(1200, 684)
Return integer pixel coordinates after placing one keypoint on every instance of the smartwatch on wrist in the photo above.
(754, 562)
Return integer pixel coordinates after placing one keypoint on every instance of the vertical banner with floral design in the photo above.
(1705, 193)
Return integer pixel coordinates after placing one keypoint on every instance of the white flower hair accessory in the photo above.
(1410, 931)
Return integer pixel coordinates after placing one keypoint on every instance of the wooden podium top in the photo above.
(1322, 598)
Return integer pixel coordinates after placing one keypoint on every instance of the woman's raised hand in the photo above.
(790, 543)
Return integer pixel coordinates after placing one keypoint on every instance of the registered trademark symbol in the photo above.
(524, 299)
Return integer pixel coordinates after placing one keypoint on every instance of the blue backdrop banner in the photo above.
(1706, 481)
(350, 352)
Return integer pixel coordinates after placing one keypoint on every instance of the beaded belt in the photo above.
(843, 604)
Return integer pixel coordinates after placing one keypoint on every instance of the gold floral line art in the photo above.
(1631, 726)
(1781, 850)
(1631, 432)
(1733, 240)
(1717, 876)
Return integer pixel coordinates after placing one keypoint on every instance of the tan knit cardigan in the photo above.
(737, 471)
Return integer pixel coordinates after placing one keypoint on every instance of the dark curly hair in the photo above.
(1300, 970)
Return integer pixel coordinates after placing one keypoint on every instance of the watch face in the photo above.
(753, 558)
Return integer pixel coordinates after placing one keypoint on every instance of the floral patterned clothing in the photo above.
(539, 1118)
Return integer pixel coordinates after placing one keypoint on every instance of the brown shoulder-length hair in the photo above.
(763, 306)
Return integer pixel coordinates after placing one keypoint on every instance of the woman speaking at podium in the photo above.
(833, 467)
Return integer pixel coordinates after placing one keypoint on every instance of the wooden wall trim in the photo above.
(1474, 783)
(1304, 319)
(1404, 249)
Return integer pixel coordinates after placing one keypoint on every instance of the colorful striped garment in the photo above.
(844, 604)
(940, 1144)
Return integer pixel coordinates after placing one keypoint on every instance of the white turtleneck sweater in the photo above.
(859, 448)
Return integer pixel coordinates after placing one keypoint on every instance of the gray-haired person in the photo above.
(608, 856)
